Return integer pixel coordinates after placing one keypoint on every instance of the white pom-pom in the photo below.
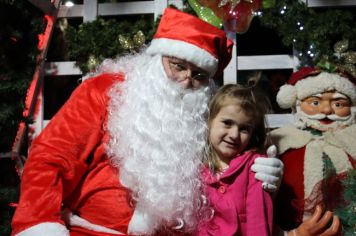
(287, 96)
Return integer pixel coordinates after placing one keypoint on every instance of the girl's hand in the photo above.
(269, 170)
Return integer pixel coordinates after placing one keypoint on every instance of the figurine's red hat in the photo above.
(310, 81)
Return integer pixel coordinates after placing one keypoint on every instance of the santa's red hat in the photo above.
(310, 81)
(187, 37)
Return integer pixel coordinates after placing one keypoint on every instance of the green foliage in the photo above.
(99, 39)
(8, 195)
(347, 214)
(321, 28)
(20, 23)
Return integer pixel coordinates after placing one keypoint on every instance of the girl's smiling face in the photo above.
(230, 132)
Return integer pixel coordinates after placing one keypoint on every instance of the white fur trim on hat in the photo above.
(184, 50)
(45, 229)
(323, 82)
(287, 96)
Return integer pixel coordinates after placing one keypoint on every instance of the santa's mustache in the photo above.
(332, 117)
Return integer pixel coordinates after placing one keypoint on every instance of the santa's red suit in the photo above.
(72, 160)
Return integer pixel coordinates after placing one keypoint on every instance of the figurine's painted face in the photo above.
(326, 111)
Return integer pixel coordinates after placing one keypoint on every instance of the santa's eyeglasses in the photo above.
(183, 70)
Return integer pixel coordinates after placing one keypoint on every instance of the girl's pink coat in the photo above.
(241, 206)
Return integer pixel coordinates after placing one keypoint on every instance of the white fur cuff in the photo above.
(141, 223)
(45, 229)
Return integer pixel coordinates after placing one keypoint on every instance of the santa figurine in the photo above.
(317, 150)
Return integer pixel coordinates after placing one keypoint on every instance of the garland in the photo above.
(312, 32)
(94, 41)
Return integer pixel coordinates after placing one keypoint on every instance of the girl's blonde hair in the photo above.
(253, 103)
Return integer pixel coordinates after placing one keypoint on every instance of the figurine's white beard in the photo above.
(303, 120)
(157, 136)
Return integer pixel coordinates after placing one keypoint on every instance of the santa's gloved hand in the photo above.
(319, 224)
(269, 170)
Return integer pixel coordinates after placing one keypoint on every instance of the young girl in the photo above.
(236, 137)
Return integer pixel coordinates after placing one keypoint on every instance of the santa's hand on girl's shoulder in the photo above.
(269, 170)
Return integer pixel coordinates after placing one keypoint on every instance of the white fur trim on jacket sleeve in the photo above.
(74, 220)
(142, 223)
(45, 229)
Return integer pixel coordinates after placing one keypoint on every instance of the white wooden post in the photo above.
(331, 3)
(90, 10)
(160, 5)
(176, 3)
(230, 72)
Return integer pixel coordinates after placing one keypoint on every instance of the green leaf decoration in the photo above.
(206, 14)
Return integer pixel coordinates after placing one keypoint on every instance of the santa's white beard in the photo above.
(157, 135)
(303, 120)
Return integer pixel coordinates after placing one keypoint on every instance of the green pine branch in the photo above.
(311, 29)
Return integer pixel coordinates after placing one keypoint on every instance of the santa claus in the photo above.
(316, 151)
(122, 156)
